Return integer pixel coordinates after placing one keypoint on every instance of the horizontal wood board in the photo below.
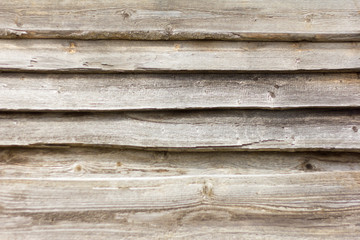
(262, 20)
(111, 92)
(68, 56)
(112, 163)
(193, 130)
(105, 193)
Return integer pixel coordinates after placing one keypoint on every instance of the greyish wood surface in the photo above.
(111, 163)
(68, 92)
(287, 20)
(100, 193)
(192, 130)
(168, 56)
(285, 206)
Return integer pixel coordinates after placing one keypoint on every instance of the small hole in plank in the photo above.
(355, 129)
(309, 166)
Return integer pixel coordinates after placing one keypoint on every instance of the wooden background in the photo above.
(165, 119)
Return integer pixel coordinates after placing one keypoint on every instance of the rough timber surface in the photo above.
(110, 92)
(193, 130)
(68, 56)
(253, 134)
(102, 193)
(112, 163)
(287, 20)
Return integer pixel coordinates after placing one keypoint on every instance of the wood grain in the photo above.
(193, 130)
(102, 193)
(288, 20)
(290, 206)
(167, 56)
(200, 223)
(259, 137)
(111, 163)
(110, 92)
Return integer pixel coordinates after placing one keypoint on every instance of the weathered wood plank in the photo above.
(110, 163)
(291, 193)
(312, 205)
(192, 130)
(68, 92)
(77, 192)
(288, 20)
(198, 224)
(165, 56)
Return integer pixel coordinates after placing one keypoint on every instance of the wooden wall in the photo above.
(179, 119)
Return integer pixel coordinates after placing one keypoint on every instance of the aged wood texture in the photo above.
(102, 193)
(166, 56)
(193, 130)
(290, 206)
(287, 20)
(112, 163)
(195, 223)
(108, 92)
